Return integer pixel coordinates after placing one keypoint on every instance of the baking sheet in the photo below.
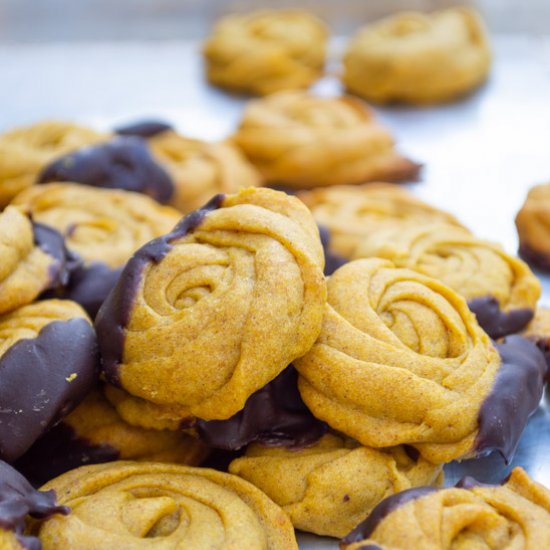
(481, 154)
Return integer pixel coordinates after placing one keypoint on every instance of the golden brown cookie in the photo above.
(538, 331)
(200, 170)
(500, 289)
(205, 316)
(95, 433)
(138, 504)
(25, 151)
(48, 363)
(266, 51)
(533, 228)
(351, 213)
(515, 514)
(34, 259)
(402, 360)
(302, 141)
(418, 58)
(329, 487)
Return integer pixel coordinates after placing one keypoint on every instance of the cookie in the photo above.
(500, 289)
(48, 363)
(532, 227)
(200, 170)
(515, 514)
(266, 51)
(120, 163)
(418, 58)
(103, 226)
(538, 331)
(34, 259)
(302, 141)
(95, 433)
(132, 504)
(351, 213)
(18, 500)
(205, 316)
(329, 487)
(25, 151)
(402, 360)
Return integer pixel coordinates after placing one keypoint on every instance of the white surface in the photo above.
(480, 155)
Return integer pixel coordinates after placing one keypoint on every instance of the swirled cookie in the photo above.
(329, 487)
(266, 51)
(25, 151)
(301, 140)
(95, 433)
(138, 504)
(500, 289)
(200, 170)
(418, 58)
(205, 316)
(534, 229)
(402, 360)
(18, 500)
(48, 363)
(103, 226)
(515, 514)
(351, 213)
(34, 259)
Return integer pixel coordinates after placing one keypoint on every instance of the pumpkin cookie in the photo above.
(205, 316)
(48, 363)
(132, 504)
(538, 331)
(402, 360)
(515, 514)
(328, 488)
(302, 141)
(18, 500)
(500, 289)
(25, 151)
(419, 58)
(266, 51)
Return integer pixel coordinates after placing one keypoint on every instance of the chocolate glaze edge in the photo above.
(114, 314)
(533, 257)
(143, 128)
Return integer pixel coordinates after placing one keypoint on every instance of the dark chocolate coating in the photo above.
(88, 286)
(50, 241)
(114, 314)
(497, 323)
(18, 500)
(516, 394)
(274, 415)
(366, 528)
(534, 258)
(121, 163)
(332, 261)
(35, 392)
(61, 450)
(144, 128)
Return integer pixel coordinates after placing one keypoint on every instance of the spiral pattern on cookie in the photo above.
(401, 359)
(302, 141)
(162, 506)
(204, 317)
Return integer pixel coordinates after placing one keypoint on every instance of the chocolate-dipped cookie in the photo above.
(120, 163)
(48, 363)
(139, 504)
(538, 331)
(18, 501)
(34, 259)
(95, 433)
(402, 360)
(515, 514)
(205, 316)
(266, 51)
(103, 226)
(500, 289)
(301, 141)
(328, 488)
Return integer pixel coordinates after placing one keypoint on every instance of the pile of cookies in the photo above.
(207, 345)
